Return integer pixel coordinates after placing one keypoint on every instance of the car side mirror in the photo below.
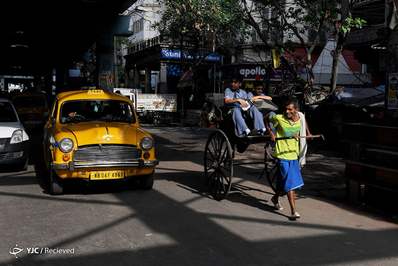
(52, 121)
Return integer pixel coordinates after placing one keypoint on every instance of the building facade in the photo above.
(157, 65)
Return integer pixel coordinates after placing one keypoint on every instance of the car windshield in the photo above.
(26, 101)
(7, 113)
(96, 110)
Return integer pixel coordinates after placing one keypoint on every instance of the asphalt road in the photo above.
(178, 223)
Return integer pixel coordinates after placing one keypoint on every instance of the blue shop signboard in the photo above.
(176, 54)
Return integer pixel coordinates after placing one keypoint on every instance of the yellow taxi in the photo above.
(95, 135)
(32, 109)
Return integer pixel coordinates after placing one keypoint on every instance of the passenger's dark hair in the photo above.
(257, 84)
(238, 77)
(292, 101)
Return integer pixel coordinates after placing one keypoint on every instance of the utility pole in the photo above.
(116, 62)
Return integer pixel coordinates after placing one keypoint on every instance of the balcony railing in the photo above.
(145, 44)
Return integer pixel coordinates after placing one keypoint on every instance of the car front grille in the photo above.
(11, 155)
(107, 153)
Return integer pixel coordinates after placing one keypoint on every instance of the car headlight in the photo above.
(66, 145)
(146, 143)
(17, 137)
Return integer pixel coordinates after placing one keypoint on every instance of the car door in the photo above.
(49, 132)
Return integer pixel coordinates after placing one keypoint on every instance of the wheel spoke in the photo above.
(213, 180)
(226, 169)
(227, 165)
(210, 168)
(211, 154)
(273, 174)
(220, 145)
(211, 176)
(224, 154)
(215, 184)
(226, 178)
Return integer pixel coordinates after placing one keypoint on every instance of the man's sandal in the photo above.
(277, 205)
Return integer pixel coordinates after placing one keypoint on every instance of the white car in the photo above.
(14, 142)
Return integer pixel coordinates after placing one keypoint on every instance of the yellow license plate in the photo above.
(100, 175)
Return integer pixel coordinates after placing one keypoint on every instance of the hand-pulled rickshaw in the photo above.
(220, 147)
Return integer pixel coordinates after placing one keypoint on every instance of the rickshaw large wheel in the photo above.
(271, 165)
(218, 165)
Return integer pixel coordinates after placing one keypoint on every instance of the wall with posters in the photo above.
(157, 102)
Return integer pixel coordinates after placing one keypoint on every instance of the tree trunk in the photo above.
(336, 57)
(341, 37)
(291, 69)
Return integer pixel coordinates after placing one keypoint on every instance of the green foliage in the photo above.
(192, 21)
(282, 25)
(350, 23)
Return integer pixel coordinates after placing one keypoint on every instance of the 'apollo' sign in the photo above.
(252, 71)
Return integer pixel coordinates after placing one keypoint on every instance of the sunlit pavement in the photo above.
(178, 223)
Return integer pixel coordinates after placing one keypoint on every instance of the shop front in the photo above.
(256, 72)
(168, 64)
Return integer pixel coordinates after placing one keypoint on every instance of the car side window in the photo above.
(7, 113)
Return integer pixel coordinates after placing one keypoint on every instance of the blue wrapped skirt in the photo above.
(289, 175)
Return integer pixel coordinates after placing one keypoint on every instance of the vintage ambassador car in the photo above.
(32, 109)
(95, 135)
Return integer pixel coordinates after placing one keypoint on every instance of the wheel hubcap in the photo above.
(216, 165)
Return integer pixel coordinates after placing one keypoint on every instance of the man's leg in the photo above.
(291, 196)
(292, 201)
(287, 181)
(275, 199)
(239, 122)
(257, 117)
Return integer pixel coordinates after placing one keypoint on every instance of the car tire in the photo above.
(56, 183)
(23, 166)
(146, 182)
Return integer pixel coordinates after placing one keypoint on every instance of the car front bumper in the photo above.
(77, 165)
(14, 153)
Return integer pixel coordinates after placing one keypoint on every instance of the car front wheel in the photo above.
(56, 183)
(23, 166)
(146, 181)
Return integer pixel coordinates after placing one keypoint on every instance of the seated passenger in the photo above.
(237, 99)
(258, 95)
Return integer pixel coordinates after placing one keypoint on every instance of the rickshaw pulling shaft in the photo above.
(303, 137)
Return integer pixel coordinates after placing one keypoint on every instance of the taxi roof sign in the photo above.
(95, 91)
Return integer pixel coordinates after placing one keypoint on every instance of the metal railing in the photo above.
(145, 44)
